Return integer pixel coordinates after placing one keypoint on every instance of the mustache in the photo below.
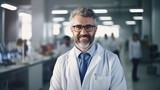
(88, 36)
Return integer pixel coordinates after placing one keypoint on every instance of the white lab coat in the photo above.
(104, 72)
(135, 50)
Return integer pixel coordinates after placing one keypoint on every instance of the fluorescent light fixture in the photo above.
(136, 10)
(137, 17)
(66, 23)
(8, 6)
(25, 17)
(108, 23)
(56, 28)
(22, 14)
(130, 22)
(59, 12)
(105, 18)
(100, 10)
(58, 19)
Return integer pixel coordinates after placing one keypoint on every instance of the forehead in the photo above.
(77, 19)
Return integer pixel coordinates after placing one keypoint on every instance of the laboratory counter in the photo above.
(31, 73)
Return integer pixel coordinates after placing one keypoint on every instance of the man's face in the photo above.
(85, 36)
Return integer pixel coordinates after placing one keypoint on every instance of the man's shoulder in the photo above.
(66, 54)
(62, 59)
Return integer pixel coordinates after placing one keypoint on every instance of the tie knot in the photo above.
(84, 56)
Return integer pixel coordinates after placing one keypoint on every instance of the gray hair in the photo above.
(83, 11)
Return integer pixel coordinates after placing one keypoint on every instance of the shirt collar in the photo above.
(90, 51)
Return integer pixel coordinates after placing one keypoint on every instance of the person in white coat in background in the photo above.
(114, 45)
(105, 42)
(104, 71)
(135, 54)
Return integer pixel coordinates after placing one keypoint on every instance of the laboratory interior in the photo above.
(33, 33)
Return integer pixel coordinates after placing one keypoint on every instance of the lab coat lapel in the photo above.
(74, 67)
(97, 57)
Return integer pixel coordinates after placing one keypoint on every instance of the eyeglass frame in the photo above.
(90, 28)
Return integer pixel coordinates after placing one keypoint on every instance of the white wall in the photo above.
(146, 22)
(38, 20)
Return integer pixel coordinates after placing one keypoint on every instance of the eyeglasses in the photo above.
(88, 28)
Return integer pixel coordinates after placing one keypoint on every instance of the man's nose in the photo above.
(83, 31)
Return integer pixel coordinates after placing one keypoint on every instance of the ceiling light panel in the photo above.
(8, 6)
(108, 23)
(130, 22)
(58, 19)
(66, 23)
(105, 18)
(100, 10)
(137, 17)
(59, 11)
(136, 10)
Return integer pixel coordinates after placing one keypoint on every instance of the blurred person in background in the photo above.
(87, 66)
(135, 55)
(114, 45)
(19, 45)
(25, 47)
(105, 42)
(22, 46)
(66, 46)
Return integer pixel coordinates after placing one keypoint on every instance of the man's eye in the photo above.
(78, 26)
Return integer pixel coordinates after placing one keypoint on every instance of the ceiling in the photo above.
(56, 4)
(116, 8)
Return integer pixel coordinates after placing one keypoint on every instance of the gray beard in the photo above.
(84, 46)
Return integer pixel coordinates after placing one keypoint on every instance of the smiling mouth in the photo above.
(84, 38)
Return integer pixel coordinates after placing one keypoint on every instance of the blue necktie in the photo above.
(83, 65)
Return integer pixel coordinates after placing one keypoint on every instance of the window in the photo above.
(107, 30)
(67, 31)
(26, 27)
(56, 29)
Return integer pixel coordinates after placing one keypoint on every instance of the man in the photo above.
(135, 54)
(104, 71)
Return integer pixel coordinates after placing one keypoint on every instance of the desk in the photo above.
(31, 73)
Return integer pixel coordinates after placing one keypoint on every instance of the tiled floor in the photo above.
(146, 82)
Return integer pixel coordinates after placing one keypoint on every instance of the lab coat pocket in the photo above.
(102, 82)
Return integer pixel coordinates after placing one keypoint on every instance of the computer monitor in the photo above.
(2, 48)
(13, 53)
(5, 56)
(6, 59)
